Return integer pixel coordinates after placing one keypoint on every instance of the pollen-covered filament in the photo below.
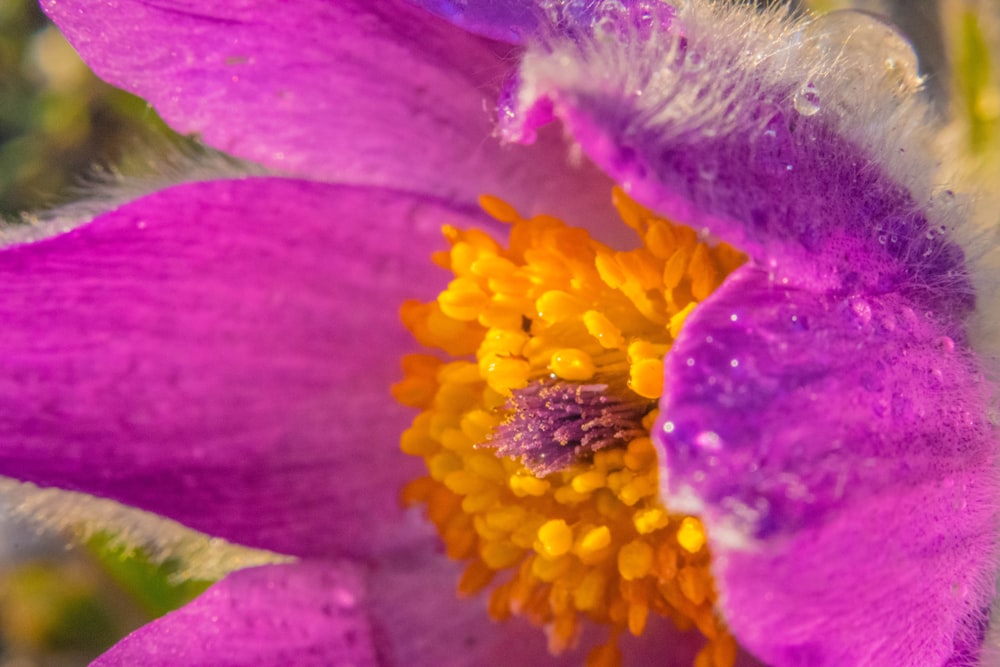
(535, 424)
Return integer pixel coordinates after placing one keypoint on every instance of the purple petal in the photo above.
(374, 93)
(418, 622)
(831, 195)
(221, 353)
(839, 449)
(400, 612)
(506, 20)
(517, 21)
(303, 614)
(421, 622)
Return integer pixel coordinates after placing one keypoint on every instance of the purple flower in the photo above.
(219, 352)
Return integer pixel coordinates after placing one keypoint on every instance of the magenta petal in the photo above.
(506, 20)
(221, 353)
(353, 91)
(790, 194)
(306, 614)
(839, 450)
(517, 21)
(378, 93)
(703, 123)
(419, 622)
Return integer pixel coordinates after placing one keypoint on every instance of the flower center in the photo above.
(535, 424)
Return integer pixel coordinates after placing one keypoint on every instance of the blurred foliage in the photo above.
(56, 612)
(972, 29)
(153, 586)
(977, 94)
(65, 609)
(57, 120)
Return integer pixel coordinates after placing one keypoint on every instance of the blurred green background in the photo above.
(57, 120)
(61, 607)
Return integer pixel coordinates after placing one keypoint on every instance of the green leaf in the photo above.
(154, 586)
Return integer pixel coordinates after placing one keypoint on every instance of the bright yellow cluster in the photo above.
(592, 540)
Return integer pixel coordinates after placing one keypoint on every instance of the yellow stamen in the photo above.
(554, 538)
(635, 560)
(572, 364)
(691, 535)
(563, 333)
(646, 377)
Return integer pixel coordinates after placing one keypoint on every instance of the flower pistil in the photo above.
(534, 425)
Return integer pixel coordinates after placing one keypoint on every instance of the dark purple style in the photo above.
(554, 424)
(219, 352)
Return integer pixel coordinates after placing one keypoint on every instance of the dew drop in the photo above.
(806, 101)
(694, 62)
(871, 47)
(607, 18)
(942, 201)
(863, 311)
(605, 27)
(708, 171)
(708, 440)
(344, 599)
(946, 344)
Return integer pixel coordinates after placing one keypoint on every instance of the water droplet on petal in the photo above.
(942, 201)
(605, 27)
(863, 311)
(910, 319)
(946, 344)
(694, 62)
(806, 100)
(708, 171)
(708, 440)
(866, 45)
(344, 599)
